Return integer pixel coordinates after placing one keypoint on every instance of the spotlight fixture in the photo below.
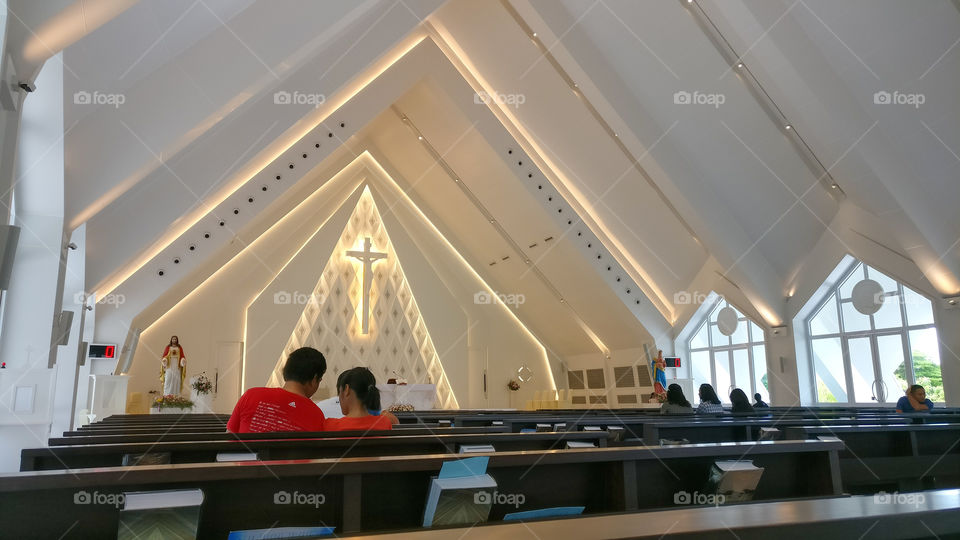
(739, 65)
(419, 137)
(788, 127)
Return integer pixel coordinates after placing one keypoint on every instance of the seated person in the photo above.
(915, 400)
(288, 408)
(759, 402)
(709, 402)
(676, 402)
(357, 389)
(739, 402)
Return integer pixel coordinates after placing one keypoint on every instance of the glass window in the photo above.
(853, 320)
(925, 357)
(919, 309)
(874, 358)
(700, 340)
(825, 321)
(760, 382)
(888, 316)
(727, 362)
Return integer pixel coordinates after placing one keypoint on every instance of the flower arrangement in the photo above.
(202, 385)
(513, 385)
(174, 402)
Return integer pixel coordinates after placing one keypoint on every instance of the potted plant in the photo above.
(201, 392)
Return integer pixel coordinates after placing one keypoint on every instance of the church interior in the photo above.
(663, 268)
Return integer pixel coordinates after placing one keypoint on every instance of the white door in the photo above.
(227, 375)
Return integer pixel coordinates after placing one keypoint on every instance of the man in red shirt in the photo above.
(288, 408)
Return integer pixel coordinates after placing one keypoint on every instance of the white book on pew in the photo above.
(224, 457)
(544, 427)
(828, 438)
(592, 428)
(768, 434)
(152, 500)
(580, 444)
(476, 448)
(560, 427)
(496, 423)
(159, 514)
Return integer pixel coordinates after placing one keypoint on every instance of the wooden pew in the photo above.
(331, 446)
(383, 493)
(906, 457)
(836, 517)
(411, 429)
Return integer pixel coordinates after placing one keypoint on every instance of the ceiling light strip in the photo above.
(611, 133)
(439, 159)
(764, 98)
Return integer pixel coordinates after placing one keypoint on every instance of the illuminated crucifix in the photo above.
(368, 258)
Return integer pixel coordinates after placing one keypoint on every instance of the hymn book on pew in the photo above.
(736, 481)
(160, 515)
(461, 494)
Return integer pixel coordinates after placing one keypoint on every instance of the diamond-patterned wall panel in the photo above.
(398, 343)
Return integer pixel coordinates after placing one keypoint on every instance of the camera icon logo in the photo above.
(482, 497)
(881, 98)
(282, 497)
(681, 497)
(682, 98)
(81, 497)
(282, 98)
(82, 98)
(482, 297)
(881, 498)
(682, 297)
(282, 297)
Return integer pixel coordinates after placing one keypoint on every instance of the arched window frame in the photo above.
(833, 295)
(755, 347)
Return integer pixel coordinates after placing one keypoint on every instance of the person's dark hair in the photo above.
(675, 396)
(915, 387)
(363, 384)
(304, 364)
(757, 397)
(739, 401)
(708, 394)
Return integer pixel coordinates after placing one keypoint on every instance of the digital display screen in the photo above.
(102, 351)
(672, 361)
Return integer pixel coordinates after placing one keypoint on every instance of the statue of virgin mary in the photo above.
(173, 367)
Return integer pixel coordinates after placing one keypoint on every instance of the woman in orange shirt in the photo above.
(357, 389)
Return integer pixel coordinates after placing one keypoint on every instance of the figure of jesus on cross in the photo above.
(368, 258)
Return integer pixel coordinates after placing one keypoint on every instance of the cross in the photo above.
(368, 257)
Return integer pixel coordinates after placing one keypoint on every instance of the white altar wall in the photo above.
(214, 312)
(467, 337)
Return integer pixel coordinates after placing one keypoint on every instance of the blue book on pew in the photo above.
(544, 513)
(281, 532)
